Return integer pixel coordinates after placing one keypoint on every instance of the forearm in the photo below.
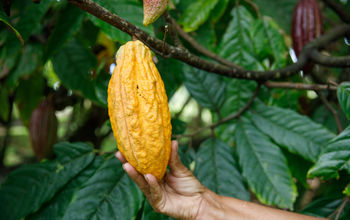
(221, 207)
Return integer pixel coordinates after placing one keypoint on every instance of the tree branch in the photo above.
(185, 56)
(224, 120)
(339, 9)
(199, 47)
(319, 58)
(299, 86)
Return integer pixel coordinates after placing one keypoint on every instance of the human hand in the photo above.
(179, 194)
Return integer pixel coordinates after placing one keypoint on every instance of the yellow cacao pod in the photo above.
(138, 110)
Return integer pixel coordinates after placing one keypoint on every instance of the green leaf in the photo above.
(27, 188)
(219, 10)
(171, 73)
(264, 167)
(343, 94)
(150, 214)
(56, 207)
(269, 42)
(237, 44)
(130, 10)
(29, 21)
(322, 207)
(196, 14)
(298, 167)
(3, 18)
(29, 61)
(335, 157)
(28, 96)
(108, 194)
(280, 11)
(206, 88)
(237, 94)
(73, 65)
(205, 34)
(347, 190)
(217, 169)
(297, 133)
(68, 23)
(187, 156)
(178, 126)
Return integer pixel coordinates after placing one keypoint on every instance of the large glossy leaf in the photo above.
(217, 169)
(196, 14)
(295, 132)
(322, 207)
(29, 61)
(207, 88)
(237, 44)
(68, 23)
(27, 188)
(344, 97)
(219, 10)
(56, 207)
(269, 43)
(237, 94)
(335, 157)
(264, 167)
(108, 194)
(130, 10)
(171, 71)
(73, 65)
(4, 19)
(29, 22)
(149, 214)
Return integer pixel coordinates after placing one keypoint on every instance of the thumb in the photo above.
(177, 167)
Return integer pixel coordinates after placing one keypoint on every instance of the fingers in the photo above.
(137, 177)
(120, 157)
(177, 167)
(156, 196)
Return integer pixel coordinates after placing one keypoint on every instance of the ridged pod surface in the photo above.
(43, 129)
(306, 24)
(152, 10)
(138, 110)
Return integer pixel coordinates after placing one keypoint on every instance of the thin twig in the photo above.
(189, 58)
(299, 86)
(224, 120)
(340, 209)
(332, 110)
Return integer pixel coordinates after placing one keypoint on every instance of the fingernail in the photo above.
(146, 177)
(124, 167)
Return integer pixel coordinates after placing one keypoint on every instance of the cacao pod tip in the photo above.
(152, 10)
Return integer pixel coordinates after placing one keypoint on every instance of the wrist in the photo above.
(210, 207)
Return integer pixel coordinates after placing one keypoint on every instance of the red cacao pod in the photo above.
(43, 129)
(306, 24)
